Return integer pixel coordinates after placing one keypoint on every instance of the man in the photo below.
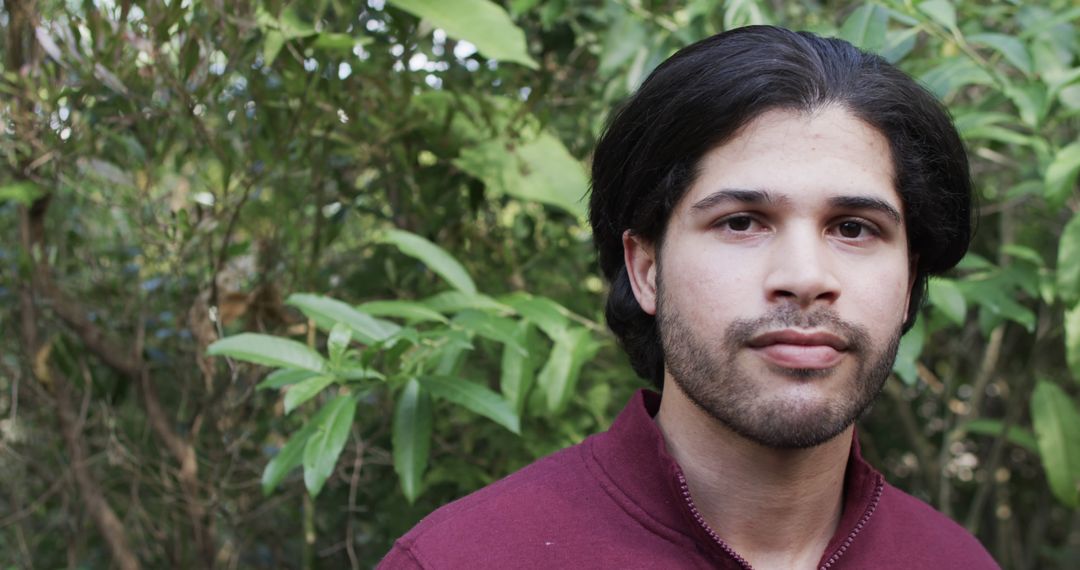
(768, 208)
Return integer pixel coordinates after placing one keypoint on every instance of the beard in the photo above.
(712, 377)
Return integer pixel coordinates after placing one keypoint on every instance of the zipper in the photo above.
(858, 527)
(685, 490)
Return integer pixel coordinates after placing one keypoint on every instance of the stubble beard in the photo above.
(711, 376)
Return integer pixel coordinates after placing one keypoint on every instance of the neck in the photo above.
(775, 507)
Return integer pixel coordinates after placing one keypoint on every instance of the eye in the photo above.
(738, 223)
(855, 229)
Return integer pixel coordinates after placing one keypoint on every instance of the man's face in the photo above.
(783, 279)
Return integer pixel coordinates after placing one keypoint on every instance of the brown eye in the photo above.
(850, 229)
(739, 223)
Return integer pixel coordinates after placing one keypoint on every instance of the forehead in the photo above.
(804, 157)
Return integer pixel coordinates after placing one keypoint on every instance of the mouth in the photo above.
(799, 349)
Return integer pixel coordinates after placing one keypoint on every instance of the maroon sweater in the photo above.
(619, 500)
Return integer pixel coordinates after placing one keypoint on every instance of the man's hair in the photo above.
(703, 95)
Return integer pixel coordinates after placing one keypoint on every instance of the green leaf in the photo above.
(272, 44)
(268, 351)
(20, 192)
(412, 438)
(305, 390)
(517, 373)
(449, 302)
(487, 325)
(1072, 341)
(1068, 261)
(940, 11)
(326, 312)
(1057, 430)
(1008, 46)
(289, 457)
(622, 40)
(325, 444)
(545, 313)
(474, 397)
(284, 377)
(866, 27)
(907, 356)
(1061, 174)
(411, 311)
(434, 257)
(540, 170)
(1016, 434)
(946, 296)
(480, 22)
(1030, 101)
(341, 43)
(338, 342)
(560, 373)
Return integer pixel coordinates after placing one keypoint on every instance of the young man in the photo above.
(768, 208)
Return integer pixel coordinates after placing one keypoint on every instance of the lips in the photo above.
(793, 348)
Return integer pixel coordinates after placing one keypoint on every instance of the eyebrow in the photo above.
(764, 197)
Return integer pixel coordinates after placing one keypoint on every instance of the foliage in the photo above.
(283, 277)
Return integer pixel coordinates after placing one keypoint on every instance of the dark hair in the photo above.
(700, 97)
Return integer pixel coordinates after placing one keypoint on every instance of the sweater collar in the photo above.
(634, 456)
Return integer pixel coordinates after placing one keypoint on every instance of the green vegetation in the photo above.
(279, 278)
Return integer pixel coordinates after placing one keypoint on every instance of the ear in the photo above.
(640, 260)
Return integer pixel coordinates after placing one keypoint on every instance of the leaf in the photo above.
(866, 27)
(1015, 435)
(20, 192)
(622, 40)
(1009, 46)
(474, 397)
(284, 377)
(1057, 431)
(1072, 341)
(1061, 174)
(268, 351)
(456, 301)
(338, 342)
(303, 391)
(907, 355)
(560, 373)
(480, 22)
(412, 438)
(1068, 261)
(325, 444)
(434, 257)
(326, 312)
(333, 42)
(487, 325)
(288, 458)
(545, 313)
(946, 296)
(517, 373)
(412, 311)
(940, 11)
(272, 44)
(541, 170)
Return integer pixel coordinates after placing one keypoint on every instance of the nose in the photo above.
(801, 271)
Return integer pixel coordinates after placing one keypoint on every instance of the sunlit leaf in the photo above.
(545, 313)
(474, 397)
(338, 342)
(941, 11)
(434, 257)
(450, 302)
(20, 192)
(907, 356)
(284, 377)
(561, 371)
(1015, 435)
(947, 297)
(412, 438)
(516, 373)
(289, 457)
(1057, 430)
(1072, 341)
(492, 327)
(268, 351)
(1062, 173)
(326, 312)
(481, 22)
(1009, 46)
(305, 390)
(412, 311)
(326, 442)
(1068, 262)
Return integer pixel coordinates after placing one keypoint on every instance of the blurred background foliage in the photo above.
(381, 202)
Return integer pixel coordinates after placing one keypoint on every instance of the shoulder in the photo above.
(523, 511)
(927, 538)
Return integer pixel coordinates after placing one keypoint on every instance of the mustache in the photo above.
(741, 331)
